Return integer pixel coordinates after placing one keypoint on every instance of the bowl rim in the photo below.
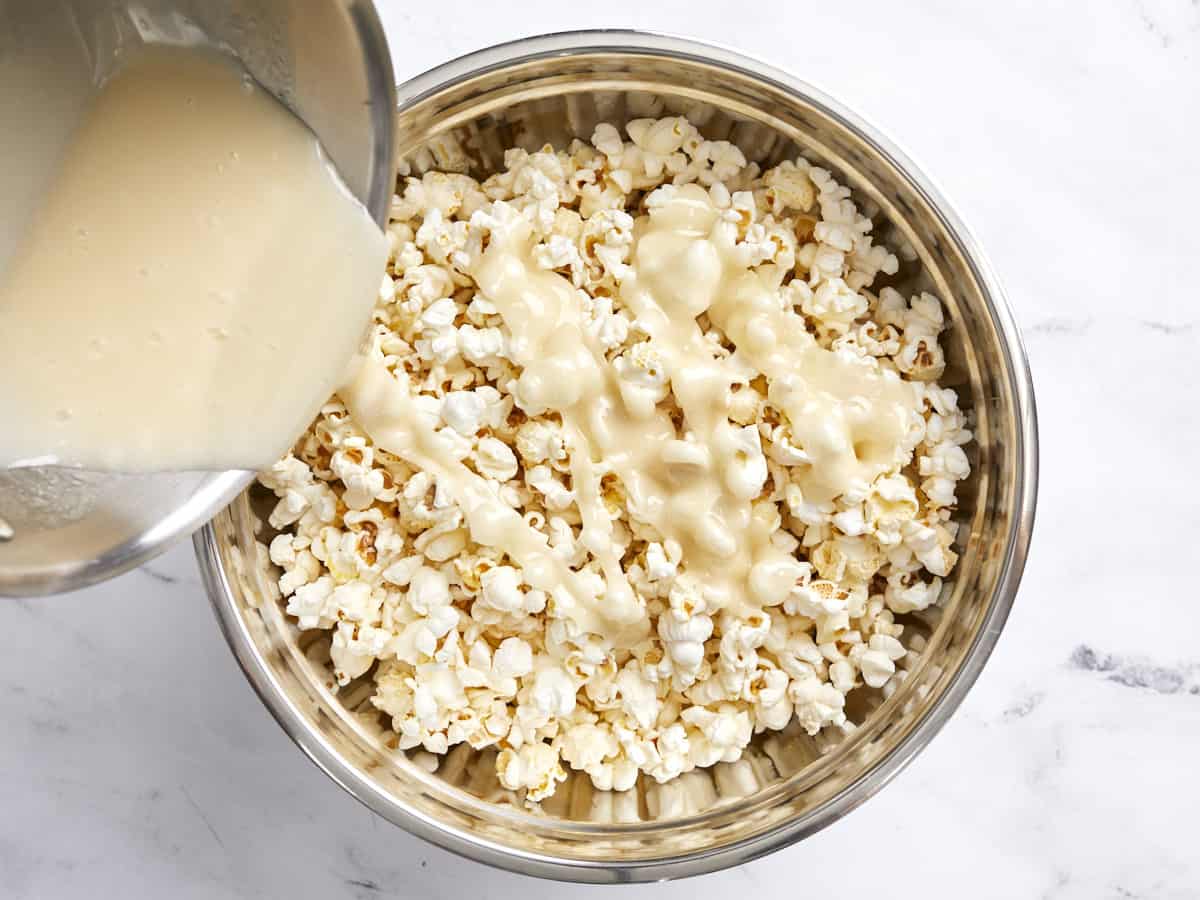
(314, 745)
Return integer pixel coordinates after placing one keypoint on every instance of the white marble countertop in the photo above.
(135, 760)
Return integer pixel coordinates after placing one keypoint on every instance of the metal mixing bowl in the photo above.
(328, 61)
(788, 785)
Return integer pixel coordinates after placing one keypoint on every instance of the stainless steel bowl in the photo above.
(329, 62)
(788, 786)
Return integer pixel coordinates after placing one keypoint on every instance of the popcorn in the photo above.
(495, 459)
(463, 411)
(668, 755)
(607, 140)
(720, 735)
(283, 551)
(746, 468)
(639, 700)
(554, 493)
(817, 705)
(459, 638)
(931, 545)
(787, 186)
(644, 381)
(500, 590)
(560, 252)
(553, 693)
(513, 659)
(310, 604)
(605, 242)
(876, 667)
(354, 602)
(540, 441)
(834, 304)
(726, 160)
(921, 358)
(683, 641)
(662, 562)
(353, 465)
(912, 596)
(660, 137)
(354, 649)
(481, 346)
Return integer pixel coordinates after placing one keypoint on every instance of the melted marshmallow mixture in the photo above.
(183, 258)
(634, 467)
